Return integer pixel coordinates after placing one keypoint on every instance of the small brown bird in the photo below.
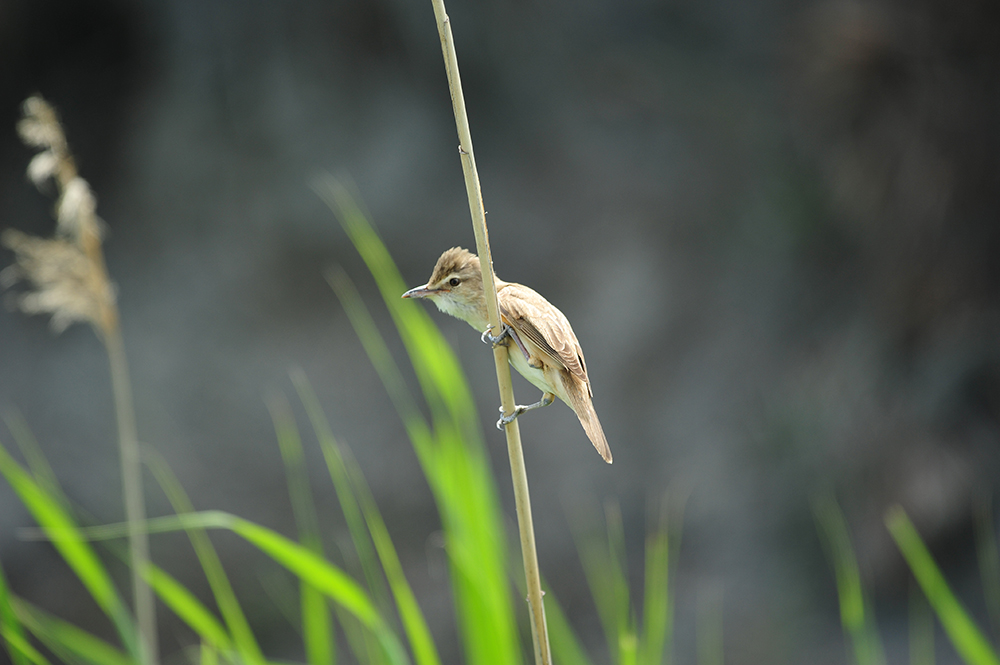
(548, 355)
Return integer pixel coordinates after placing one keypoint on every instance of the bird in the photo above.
(548, 353)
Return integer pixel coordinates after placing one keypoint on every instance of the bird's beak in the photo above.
(419, 292)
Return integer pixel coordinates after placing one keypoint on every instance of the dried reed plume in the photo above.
(68, 279)
(66, 272)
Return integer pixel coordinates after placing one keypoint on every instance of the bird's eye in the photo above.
(454, 281)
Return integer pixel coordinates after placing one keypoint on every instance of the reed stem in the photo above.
(71, 283)
(519, 476)
(135, 507)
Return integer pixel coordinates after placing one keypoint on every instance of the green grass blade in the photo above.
(11, 629)
(293, 457)
(317, 633)
(595, 561)
(69, 642)
(20, 649)
(437, 368)
(419, 635)
(32, 452)
(962, 631)
(188, 608)
(364, 647)
(444, 460)
(451, 452)
(566, 648)
(41, 470)
(921, 629)
(855, 615)
(239, 629)
(71, 545)
(355, 496)
(657, 615)
(360, 538)
(317, 628)
(603, 561)
(310, 566)
(359, 640)
(609, 589)
(296, 558)
(378, 353)
(324, 576)
(208, 655)
(606, 572)
(627, 640)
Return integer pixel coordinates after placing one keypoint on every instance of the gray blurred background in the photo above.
(774, 226)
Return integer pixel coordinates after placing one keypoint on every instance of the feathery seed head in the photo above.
(66, 273)
(62, 277)
(75, 212)
(42, 167)
(40, 126)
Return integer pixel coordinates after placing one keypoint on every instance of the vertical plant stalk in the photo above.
(128, 443)
(539, 631)
(71, 282)
(135, 505)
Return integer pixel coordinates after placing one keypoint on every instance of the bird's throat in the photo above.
(472, 313)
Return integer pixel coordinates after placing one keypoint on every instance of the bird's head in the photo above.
(456, 287)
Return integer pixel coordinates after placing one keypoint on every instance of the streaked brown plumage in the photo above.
(547, 354)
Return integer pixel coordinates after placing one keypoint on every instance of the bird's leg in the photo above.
(547, 398)
(517, 340)
(493, 341)
(508, 331)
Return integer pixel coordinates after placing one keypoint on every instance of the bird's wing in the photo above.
(537, 320)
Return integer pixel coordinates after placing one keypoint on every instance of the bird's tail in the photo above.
(583, 405)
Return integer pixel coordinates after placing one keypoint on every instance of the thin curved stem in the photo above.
(519, 476)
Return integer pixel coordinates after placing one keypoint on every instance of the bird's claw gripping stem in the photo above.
(508, 419)
(490, 339)
(547, 398)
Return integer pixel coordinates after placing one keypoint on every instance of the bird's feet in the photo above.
(493, 341)
(506, 419)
